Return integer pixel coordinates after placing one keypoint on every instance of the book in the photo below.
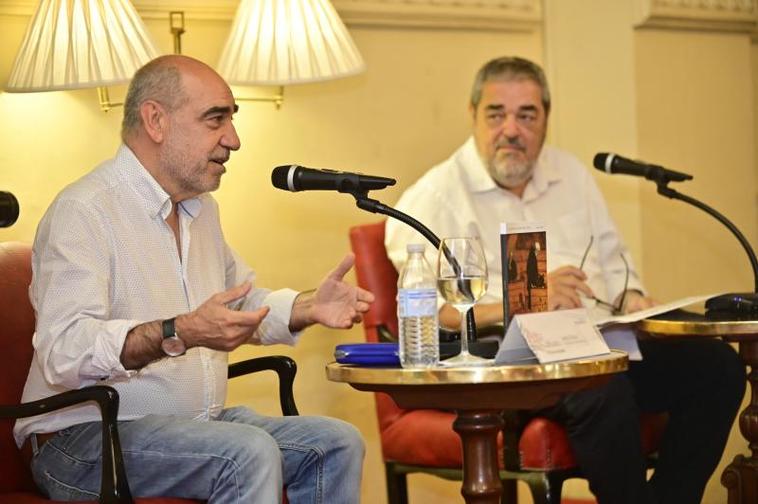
(523, 254)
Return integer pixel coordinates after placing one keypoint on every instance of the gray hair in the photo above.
(510, 68)
(158, 80)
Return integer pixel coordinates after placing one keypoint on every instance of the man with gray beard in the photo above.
(505, 173)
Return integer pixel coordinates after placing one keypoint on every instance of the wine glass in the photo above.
(462, 281)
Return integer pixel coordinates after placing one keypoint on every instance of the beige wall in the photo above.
(701, 122)
(684, 98)
(590, 67)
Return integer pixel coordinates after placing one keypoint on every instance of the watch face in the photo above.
(173, 346)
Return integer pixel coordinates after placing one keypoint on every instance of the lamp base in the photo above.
(743, 303)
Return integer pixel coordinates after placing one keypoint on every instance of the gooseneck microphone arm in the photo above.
(664, 190)
(725, 304)
(363, 202)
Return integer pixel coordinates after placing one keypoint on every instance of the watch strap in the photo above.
(169, 328)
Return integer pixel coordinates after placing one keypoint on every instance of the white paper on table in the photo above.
(550, 337)
(619, 330)
(606, 319)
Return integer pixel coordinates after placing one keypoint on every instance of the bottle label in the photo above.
(416, 302)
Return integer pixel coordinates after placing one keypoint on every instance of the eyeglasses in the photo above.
(618, 308)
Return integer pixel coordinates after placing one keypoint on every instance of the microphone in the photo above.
(8, 209)
(726, 306)
(299, 178)
(613, 163)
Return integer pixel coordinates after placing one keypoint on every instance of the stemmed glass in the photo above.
(462, 281)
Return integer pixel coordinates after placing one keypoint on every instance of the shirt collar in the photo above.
(478, 178)
(157, 200)
(545, 174)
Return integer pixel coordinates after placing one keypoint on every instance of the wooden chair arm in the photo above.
(284, 367)
(114, 487)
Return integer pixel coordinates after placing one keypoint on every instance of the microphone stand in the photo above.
(363, 202)
(725, 304)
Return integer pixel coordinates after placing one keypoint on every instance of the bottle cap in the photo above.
(415, 247)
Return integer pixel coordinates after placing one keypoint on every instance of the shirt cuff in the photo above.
(106, 358)
(275, 327)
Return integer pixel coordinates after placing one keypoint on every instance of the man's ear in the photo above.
(154, 120)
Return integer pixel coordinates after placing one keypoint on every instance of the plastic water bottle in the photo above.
(417, 311)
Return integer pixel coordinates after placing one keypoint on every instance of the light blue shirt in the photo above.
(105, 261)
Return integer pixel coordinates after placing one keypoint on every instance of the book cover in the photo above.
(523, 253)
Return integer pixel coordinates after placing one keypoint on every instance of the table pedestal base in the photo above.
(478, 431)
(740, 479)
(741, 476)
(478, 395)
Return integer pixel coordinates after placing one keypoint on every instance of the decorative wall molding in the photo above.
(502, 15)
(710, 15)
(214, 10)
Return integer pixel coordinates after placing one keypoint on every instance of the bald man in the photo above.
(135, 287)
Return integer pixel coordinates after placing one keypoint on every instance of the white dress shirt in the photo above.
(459, 198)
(104, 261)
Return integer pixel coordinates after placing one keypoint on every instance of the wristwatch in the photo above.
(172, 344)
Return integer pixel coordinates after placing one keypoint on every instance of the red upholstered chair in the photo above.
(536, 450)
(16, 329)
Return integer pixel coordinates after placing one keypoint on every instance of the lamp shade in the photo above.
(74, 44)
(278, 42)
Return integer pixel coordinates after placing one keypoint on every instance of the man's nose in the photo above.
(511, 126)
(230, 139)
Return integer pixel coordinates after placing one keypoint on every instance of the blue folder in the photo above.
(368, 354)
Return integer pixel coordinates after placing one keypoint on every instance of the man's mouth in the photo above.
(506, 152)
(511, 147)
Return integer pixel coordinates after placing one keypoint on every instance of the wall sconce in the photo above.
(176, 23)
(282, 42)
(74, 44)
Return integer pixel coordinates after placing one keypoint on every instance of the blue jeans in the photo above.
(239, 457)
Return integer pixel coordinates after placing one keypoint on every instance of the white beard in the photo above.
(509, 173)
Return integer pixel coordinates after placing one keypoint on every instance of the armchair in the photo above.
(17, 318)
(535, 450)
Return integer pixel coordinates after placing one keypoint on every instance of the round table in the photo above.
(478, 395)
(741, 476)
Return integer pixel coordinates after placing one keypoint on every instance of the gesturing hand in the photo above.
(335, 303)
(214, 325)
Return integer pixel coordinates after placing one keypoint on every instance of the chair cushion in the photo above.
(425, 437)
(18, 326)
(544, 444)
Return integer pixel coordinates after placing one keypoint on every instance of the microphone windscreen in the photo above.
(279, 177)
(600, 160)
(8, 209)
